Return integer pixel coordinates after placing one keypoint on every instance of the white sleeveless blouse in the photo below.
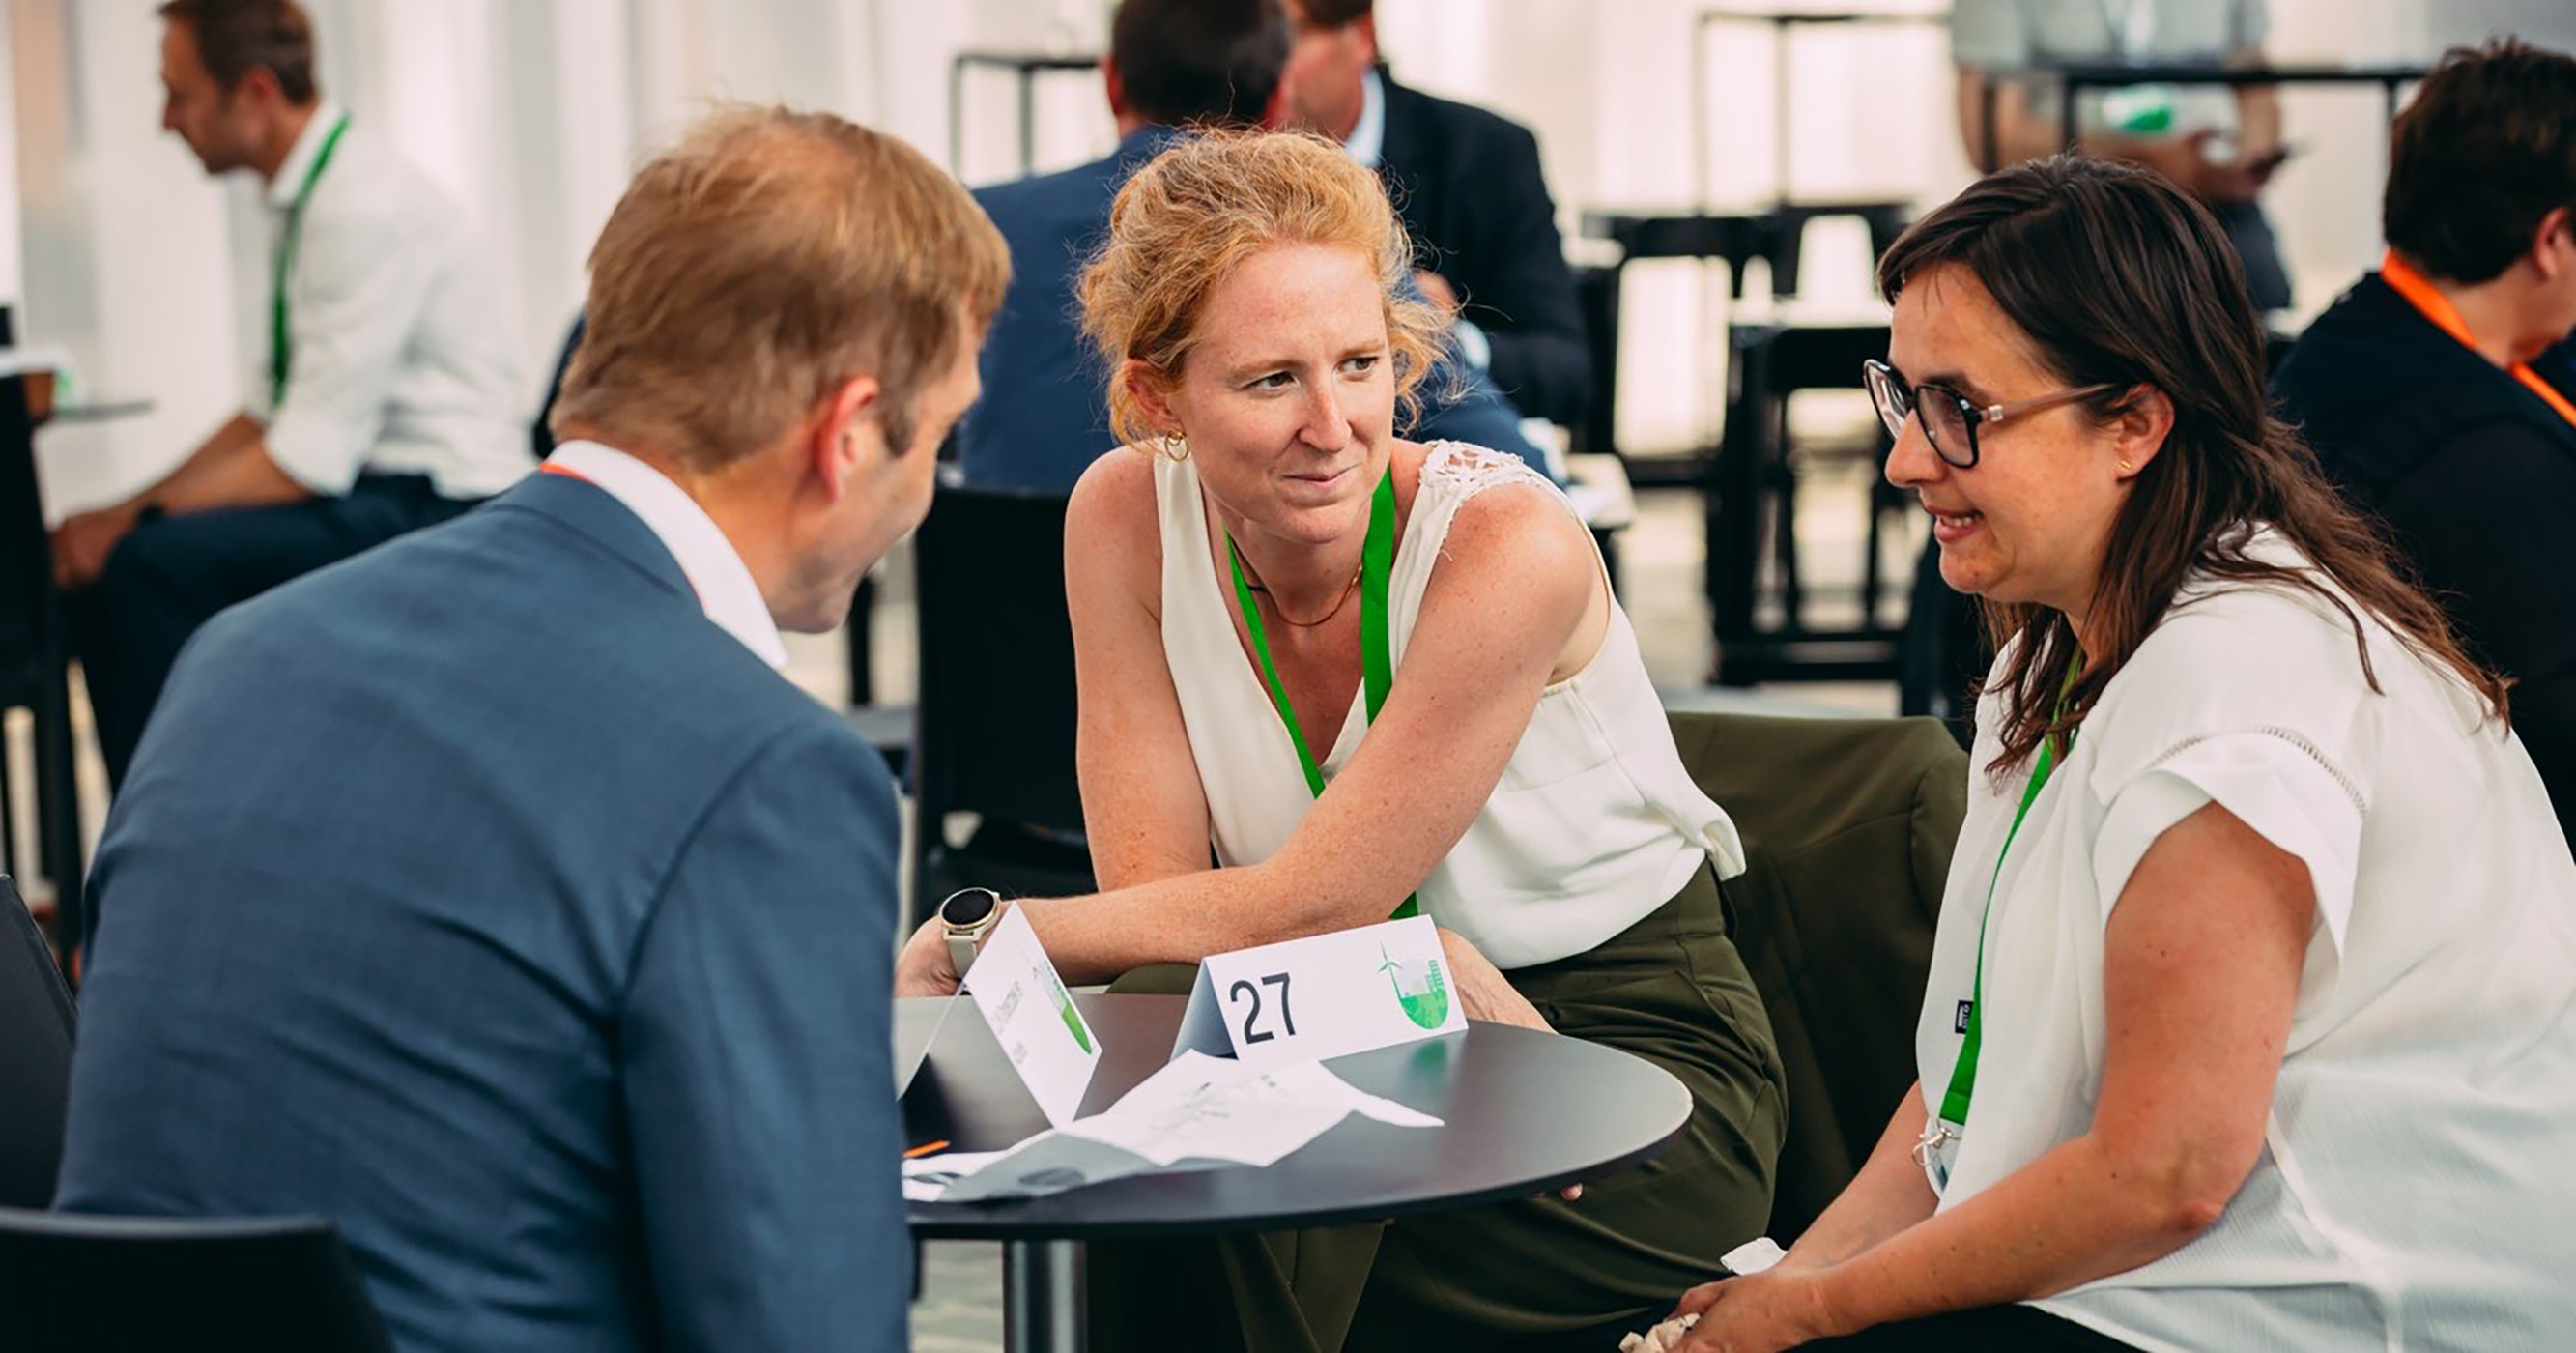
(1594, 824)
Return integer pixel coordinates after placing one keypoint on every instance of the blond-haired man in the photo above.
(493, 895)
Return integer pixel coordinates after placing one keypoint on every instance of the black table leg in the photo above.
(1042, 1309)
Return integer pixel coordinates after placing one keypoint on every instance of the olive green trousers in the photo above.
(1669, 989)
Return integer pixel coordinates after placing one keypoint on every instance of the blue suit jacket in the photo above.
(484, 896)
(1043, 420)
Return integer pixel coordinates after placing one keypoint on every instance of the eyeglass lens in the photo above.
(1944, 415)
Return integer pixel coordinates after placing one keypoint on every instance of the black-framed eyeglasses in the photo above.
(1950, 419)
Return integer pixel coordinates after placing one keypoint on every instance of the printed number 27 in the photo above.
(1252, 1014)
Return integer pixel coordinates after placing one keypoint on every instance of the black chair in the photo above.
(996, 723)
(35, 667)
(35, 1058)
(1754, 504)
(541, 432)
(71, 1283)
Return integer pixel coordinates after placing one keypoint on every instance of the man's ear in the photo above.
(1116, 87)
(2542, 256)
(1152, 392)
(2141, 429)
(1366, 28)
(258, 88)
(847, 435)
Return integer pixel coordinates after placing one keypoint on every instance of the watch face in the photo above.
(967, 907)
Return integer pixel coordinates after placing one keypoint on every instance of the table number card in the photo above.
(1033, 1017)
(1324, 995)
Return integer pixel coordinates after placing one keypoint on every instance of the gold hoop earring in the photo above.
(1173, 446)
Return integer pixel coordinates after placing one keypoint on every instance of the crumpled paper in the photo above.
(1663, 1338)
(1744, 1260)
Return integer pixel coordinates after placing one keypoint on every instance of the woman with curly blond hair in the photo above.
(1376, 676)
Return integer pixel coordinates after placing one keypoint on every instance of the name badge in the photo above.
(1024, 1003)
(1322, 996)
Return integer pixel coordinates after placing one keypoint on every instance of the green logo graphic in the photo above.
(1419, 988)
(1072, 1018)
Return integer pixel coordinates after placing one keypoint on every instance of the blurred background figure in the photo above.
(387, 402)
(1468, 185)
(1171, 64)
(2423, 389)
(2221, 145)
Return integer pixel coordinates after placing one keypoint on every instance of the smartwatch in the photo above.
(966, 916)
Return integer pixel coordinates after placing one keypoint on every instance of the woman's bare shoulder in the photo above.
(1112, 517)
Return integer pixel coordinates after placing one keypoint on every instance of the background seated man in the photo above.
(391, 401)
(1171, 63)
(492, 896)
(2218, 144)
(1468, 185)
(2414, 387)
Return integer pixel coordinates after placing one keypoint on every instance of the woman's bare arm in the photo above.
(2201, 962)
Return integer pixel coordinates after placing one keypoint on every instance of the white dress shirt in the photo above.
(725, 587)
(1367, 141)
(402, 360)
(2415, 1190)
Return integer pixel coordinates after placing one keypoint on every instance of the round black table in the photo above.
(1522, 1113)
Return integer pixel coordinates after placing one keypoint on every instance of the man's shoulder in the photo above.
(506, 584)
(1449, 120)
(372, 186)
(1060, 199)
(2377, 389)
(503, 651)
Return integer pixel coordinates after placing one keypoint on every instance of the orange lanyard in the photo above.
(2405, 281)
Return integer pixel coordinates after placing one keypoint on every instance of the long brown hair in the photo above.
(2119, 279)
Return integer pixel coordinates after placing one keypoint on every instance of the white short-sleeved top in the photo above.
(1595, 823)
(2418, 1186)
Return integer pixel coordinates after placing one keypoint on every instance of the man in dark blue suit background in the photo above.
(1172, 64)
(493, 895)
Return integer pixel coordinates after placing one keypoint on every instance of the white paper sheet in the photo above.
(1196, 1112)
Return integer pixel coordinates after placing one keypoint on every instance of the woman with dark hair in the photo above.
(2252, 1017)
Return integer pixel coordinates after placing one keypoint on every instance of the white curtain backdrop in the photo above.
(532, 112)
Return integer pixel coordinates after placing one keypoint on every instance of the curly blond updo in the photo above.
(1187, 219)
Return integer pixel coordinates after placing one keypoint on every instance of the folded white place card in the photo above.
(1033, 1017)
(1324, 995)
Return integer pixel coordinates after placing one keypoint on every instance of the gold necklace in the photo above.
(1286, 619)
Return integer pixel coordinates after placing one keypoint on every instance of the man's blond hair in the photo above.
(758, 265)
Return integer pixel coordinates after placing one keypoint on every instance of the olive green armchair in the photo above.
(1848, 826)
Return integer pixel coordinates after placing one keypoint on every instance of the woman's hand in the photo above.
(923, 968)
(1482, 991)
(1755, 1314)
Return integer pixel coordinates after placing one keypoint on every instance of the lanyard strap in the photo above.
(1963, 1074)
(1377, 671)
(2420, 292)
(279, 345)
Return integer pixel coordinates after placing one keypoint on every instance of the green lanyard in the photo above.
(1377, 670)
(279, 348)
(1963, 1075)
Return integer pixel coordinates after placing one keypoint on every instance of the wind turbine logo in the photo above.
(1419, 988)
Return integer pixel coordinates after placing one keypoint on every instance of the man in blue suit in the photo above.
(1172, 64)
(492, 893)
